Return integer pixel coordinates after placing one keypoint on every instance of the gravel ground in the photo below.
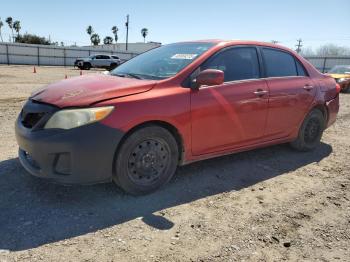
(269, 204)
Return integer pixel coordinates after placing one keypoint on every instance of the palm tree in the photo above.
(90, 31)
(1, 25)
(108, 40)
(17, 26)
(115, 33)
(144, 33)
(9, 21)
(95, 39)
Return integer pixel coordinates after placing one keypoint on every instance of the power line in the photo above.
(127, 32)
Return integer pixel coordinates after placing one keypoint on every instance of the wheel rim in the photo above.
(148, 161)
(312, 131)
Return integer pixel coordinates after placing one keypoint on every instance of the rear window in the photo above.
(300, 69)
(279, 63)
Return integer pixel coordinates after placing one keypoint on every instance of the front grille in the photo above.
(29, 120)
(34, 114)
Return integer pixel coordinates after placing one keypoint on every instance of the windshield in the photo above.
(340, 70)
(162, 62)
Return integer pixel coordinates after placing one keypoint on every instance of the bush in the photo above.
(32, 39)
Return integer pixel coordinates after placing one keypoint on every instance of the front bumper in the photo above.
(82, 155)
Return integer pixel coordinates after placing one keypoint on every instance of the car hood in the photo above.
(85, 90)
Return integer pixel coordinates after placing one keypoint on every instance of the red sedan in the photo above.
(170, 106)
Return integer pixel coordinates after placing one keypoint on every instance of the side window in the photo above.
(300, 68)
(279, 63)
(238, 63)
(98, 57)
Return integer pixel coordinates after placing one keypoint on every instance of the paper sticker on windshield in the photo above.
(184, 56)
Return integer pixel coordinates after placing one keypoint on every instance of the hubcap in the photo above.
(312, 130)
(147, 161)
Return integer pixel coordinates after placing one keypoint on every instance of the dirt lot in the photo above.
(269, 204)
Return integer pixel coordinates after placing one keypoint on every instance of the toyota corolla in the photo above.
(170, 106)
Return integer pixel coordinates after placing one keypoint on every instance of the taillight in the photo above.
(337, 87)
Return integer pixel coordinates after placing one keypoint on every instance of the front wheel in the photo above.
(310, 132)
(86, 66)
(146, 160)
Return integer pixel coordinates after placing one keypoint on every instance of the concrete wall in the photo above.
(26, 54)
(132, 47)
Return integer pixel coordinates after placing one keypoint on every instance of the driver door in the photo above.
(234, 113)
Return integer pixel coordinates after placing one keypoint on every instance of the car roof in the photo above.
(222, 42)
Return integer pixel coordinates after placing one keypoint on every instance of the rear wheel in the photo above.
(310, 132)
(112, 66)
(146, 160)
(346, 89)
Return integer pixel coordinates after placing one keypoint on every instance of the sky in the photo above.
(316, 22)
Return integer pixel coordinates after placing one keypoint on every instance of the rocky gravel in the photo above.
(270, 204)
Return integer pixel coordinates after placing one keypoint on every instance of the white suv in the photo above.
(98, 61)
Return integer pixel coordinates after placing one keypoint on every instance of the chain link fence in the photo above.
(325, 63)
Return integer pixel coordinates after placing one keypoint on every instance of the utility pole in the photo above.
(299, 45)
(127, 32)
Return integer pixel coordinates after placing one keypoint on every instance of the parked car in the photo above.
(341, 74)
(171, 106)
(98, 61)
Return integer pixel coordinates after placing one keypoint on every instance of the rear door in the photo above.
(102, 61)
(291, 92)
(232, 114)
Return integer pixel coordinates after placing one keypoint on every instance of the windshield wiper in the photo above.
(129, 75)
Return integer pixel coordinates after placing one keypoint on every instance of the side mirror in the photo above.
(210, 77)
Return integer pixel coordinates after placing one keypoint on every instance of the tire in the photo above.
(112, 66)
(86, 66)
(346, 89)
(310, 132)
(146, 160)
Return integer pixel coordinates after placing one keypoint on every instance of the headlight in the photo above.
(342, 80)
(70, 118)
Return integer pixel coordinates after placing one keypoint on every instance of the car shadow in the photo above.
(35, 212)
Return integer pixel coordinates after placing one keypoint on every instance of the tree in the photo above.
(32, 39)
(108, 40)
(95, 39)
(9, 21)
(332, 50)
(115, 33)
(1, 25)
(89, 31)
(17, 26)
(307, 51)
(144, 33)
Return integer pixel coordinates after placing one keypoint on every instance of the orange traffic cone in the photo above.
(34, 70)
(81, 72)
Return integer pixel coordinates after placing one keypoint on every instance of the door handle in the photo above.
(308, 87)
(260, 92)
